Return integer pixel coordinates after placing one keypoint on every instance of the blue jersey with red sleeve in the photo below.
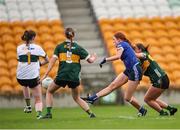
(128, 55)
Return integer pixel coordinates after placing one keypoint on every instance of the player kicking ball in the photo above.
(132, 74)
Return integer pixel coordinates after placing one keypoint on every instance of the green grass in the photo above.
(107, 117)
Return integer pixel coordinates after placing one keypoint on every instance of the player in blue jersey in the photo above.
(132, 74)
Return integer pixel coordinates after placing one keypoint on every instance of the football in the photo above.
(46, 82)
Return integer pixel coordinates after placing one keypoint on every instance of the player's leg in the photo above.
(26, 93)
(120, 80)
(37, 94)
(49, 98)
(165, 85)
(80, 102)
(131, 88)
(161, 103)
(150, 98)
(172, 110)
(134, 76)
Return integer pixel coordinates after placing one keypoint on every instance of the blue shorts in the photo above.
(134, 74)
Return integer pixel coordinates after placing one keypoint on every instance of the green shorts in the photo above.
(162, 83)
(134, 74)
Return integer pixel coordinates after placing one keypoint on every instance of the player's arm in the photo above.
(91, 58)
(45, 61)
(115, 57)
(50, 66)
(43, 55)
(141, 55)
(112, 58)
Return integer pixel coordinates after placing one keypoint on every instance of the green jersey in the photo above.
(69, 61)
(151, 68)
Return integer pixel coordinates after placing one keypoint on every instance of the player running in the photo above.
(132, 74)
(69, 54)
(158, 78)
(28, 67)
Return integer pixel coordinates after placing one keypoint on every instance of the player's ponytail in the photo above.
(69, 33)
(120, 35)
(142, 47)
(28, 36)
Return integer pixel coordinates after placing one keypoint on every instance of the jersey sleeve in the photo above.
(41, 52)
(120, 47)
(17, 53)
(83, 53)
(56, 51)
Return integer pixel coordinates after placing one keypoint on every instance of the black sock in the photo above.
(28, 101)
(89, 112)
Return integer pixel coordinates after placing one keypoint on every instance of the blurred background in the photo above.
(152, 22)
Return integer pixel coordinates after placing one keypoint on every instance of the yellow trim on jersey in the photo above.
(150, 58)
(29, 57)
(145, 65)
(63, 57)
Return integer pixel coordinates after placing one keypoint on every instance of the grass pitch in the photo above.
(108, 117)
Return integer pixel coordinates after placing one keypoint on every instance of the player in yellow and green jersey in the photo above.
(69, 54)
(158, 78)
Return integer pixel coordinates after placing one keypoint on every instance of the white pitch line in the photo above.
(127, 117)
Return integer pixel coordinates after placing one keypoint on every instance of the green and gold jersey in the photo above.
(69, 61)
(151, 68)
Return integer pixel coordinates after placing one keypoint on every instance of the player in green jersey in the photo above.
(69, 54)
(158, 78)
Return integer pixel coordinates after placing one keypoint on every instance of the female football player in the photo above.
(158, 78)
(28, 67)
(69, 54)
(150, 69)
(132, 74)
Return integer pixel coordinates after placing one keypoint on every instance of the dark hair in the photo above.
(142, 47)
(69, 32)
(120, 35)
(28, 35)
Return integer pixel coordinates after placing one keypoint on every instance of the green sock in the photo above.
(162, 111)
(89, 112)
(169, 108)
(39, 113)
(28, 101)
(49, 110)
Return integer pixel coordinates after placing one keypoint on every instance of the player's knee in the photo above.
(146, 100)
(50, 91)
(75, 98)
(38, 99)
(113, 85)
(127, 99)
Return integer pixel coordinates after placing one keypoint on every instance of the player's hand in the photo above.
(102, 62)
(94, 56)
(43, 78)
